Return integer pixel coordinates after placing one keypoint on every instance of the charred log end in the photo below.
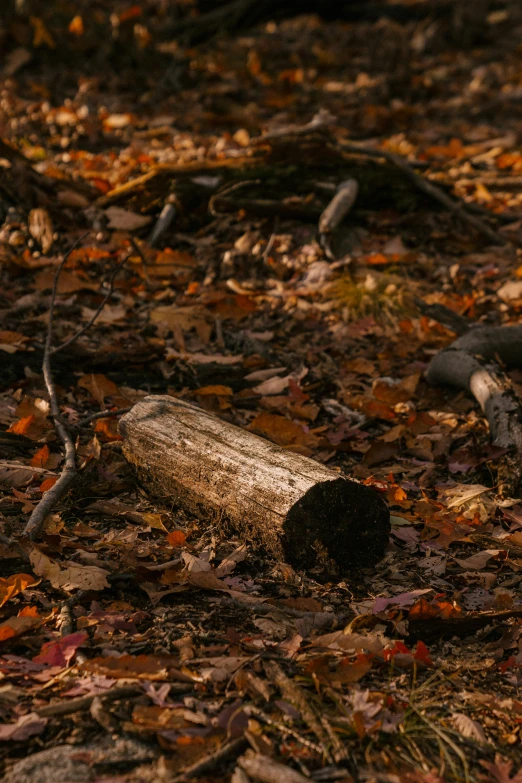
(339, 520)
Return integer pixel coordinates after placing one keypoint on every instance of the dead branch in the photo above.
(443, 315)
(211, 760)
(472, 363)
(431, 190)
(58, 490)
(84, 702)
(298, 698)
(335, 212)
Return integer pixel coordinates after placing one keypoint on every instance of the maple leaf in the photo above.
(500, 770)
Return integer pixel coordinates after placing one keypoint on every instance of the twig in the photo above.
(106, 414)
(333, 215)
(58, 490)
(137, 249)
(225, 191)
(95, 315)
(271, 241)
(84, 702)
(443, 315)
(68, 474)
(211, 760)
(298, 698)
(258, 713)
(430, 189)
(319, 122)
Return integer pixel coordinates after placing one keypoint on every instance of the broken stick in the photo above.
(294, 508)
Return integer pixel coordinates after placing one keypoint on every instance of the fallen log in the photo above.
(294, 508)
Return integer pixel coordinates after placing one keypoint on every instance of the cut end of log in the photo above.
(287, 505)
(343, 520)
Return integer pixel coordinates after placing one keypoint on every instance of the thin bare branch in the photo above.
(95, 315)
(106, 414)
(58, 490)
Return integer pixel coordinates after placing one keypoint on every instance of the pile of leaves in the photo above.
(135, 643)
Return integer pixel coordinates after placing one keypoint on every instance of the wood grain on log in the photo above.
(296, 509)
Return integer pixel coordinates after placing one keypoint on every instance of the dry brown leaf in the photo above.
(124, 220)
(70, 577)
(468, 728)
(98, 386)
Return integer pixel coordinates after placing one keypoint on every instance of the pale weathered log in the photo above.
(296, 509)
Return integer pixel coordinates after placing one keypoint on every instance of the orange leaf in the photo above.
(98, 386)
(21, 427)
(108, 428)
(46, 485)
(15, 626)
(176, 538)
(14, 585)
(422, 654)
(76, 26)
(39, 460)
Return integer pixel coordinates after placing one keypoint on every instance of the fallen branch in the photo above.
(53, 496)
(335, 212)
(293, 507)
(211, 760)
(296, 696)
(472, 363)
(421, 183)
(58, 490)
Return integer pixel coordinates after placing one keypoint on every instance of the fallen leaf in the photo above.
(99, 387)
(140, 667)
(124, 220)
(48, 483)
(500, 770)
(469, 728)
(229, 563)
(404, 599)
(15, 626)
(39, 460)
(60, 652)
(14, 585)
(71, 577)
(282, 431)
(68, 282)
(176, 538)
(461, 493)
(477, 561)
(25, 727)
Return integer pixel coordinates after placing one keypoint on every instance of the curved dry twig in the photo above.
(95, 315)
(50, 499)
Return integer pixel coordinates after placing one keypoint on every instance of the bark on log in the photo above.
(294, 508)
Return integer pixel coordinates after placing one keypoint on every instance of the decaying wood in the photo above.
(294, 508)
(266, 770)
(339, 206)
(334, 214)
(472, 363)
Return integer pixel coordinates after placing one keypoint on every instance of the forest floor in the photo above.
(408, 671)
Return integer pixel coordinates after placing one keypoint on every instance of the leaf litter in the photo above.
(406, 672)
